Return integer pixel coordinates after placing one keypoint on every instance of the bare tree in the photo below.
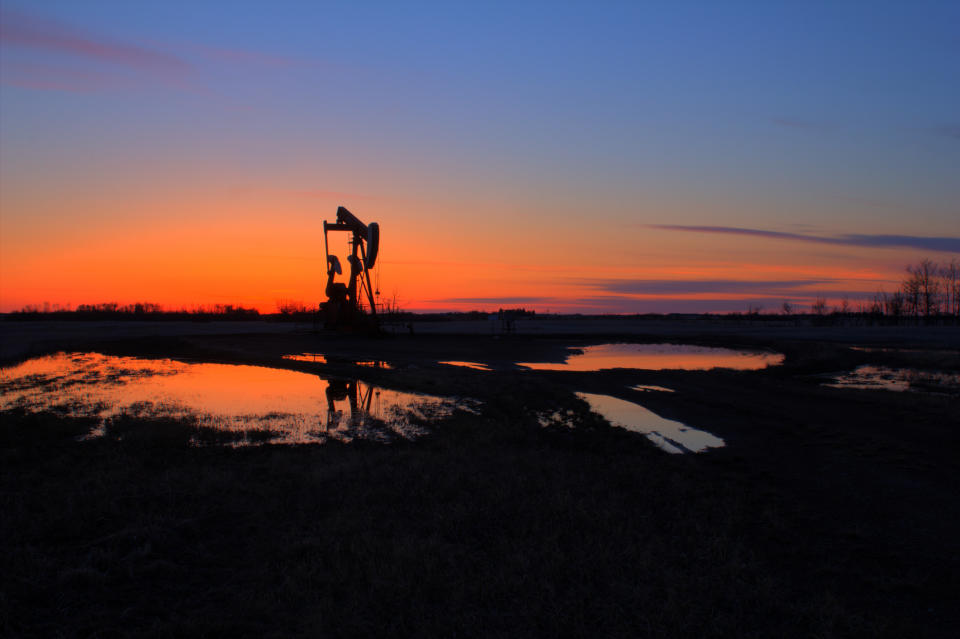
(787, 307)
(911, 293)
(819, 307)
(927, 272)
(291, 307)
(950, 284)
(895, 304)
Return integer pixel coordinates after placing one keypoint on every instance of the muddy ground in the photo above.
(829, 512)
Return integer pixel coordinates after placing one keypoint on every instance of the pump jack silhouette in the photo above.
(344, 306)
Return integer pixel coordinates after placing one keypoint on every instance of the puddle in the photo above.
(316, 358)
(290, 406)
(319, 358)
(671, 436)
(655, 389)
(896, 349)
(475, 365)
(374, 363)
(557, 418)
(660, 357)
(898, 379)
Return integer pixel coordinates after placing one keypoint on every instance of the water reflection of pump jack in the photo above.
(357, 400)
(344, 305)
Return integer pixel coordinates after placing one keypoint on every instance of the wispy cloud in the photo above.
(308, 193)
(615, 304)
(492, 300)
(49, 35)
(797, 123)
(944, 244)
(48, 77)
(53, 55)
(948, 130)
(674, 287)
(247, 57)
(325, 194)
(695, 290)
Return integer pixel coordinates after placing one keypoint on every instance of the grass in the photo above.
(487, 528)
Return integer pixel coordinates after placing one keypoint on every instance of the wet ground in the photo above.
(866, 476)
(898, 379)
(256, 403)
(272, 405)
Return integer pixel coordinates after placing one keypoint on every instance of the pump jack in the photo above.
(343, 308)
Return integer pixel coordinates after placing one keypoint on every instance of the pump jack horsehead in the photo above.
(344, 305)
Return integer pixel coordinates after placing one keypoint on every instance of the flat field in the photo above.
(827, 512)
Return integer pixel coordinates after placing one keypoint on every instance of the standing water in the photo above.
(669, 435)
(660, 357)
(293, 407)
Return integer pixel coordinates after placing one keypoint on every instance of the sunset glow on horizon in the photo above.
(576, 158)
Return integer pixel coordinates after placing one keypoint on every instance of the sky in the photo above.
(587, 157)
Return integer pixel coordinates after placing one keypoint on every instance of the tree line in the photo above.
(928, 291)
(139, 310)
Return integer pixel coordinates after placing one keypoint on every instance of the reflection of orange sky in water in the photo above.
(319, 358)
(214, 388)
(660, 357)
(474, 365)
(869, 377)
(669, 435)
(222, 395)
(315, 358)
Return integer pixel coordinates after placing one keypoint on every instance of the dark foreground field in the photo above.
(830, 512)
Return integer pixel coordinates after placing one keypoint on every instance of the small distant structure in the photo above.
(351, 305)
(506, 318)
(504, 321)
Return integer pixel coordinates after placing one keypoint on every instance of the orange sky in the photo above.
(531, 159)
(260, 246)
